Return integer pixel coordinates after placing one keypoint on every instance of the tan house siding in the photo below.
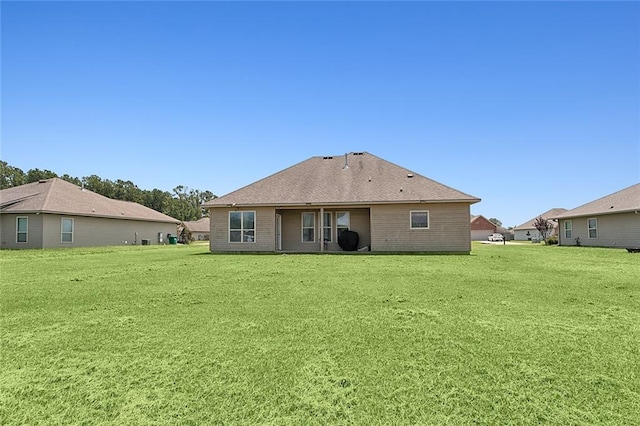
(8, 231)
(449, 228)
(292, 229)
(360, 223)
(93, 231)
(265, 230)
(44, 231)
(614, 230)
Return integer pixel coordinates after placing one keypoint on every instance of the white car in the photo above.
(496, 237)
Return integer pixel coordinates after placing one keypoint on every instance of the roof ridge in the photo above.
(49, 190)
(320, 179)
(262, 179)
(604, 196)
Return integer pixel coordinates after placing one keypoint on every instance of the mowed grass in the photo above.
(175, 335)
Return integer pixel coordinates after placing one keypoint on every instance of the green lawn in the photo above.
(515, 334)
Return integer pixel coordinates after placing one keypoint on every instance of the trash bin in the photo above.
(173, 240)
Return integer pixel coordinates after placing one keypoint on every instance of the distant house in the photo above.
(308, 207)
(199, 229)
(610, 221)
(53, 213)
(481, 228)
(528, 232)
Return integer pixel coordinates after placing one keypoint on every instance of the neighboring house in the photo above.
(307, 207)
(54, 213)
(199, 229)
(481, 228)
(528, 232)
(610, 221)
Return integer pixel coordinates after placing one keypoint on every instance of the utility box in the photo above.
(160, 239)
(146, 242)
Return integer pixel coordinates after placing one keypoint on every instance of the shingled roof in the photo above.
(546, 215)
(623, 201)
(200, 225)
(61, 197)
(355, 178)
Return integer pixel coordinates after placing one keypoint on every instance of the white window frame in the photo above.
(328, 229)
(242, 229)
(302, 227)
(568, 229)
(62, 231)
(340, 228)
(411, 219)
(18, 232)
(594, 228)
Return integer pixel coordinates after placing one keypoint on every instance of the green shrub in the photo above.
(552, 240)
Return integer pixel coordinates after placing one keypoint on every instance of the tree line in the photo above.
(183, 203)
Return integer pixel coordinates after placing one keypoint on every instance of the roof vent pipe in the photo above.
(346, 161)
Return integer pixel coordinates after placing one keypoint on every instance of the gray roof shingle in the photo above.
(355, 178)
(546, 215)
(625, 200)
(200, 225)
(61, 197)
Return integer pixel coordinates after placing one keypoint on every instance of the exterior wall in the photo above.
(521, 235)
(534, 235)
(481, 228)
(199, 236)
(384, 228)
(45, 231)
(480, 234)
(265, 222)
(614, 230)
(8, 231)
(292, 229)
(448, 232)
(95, 231)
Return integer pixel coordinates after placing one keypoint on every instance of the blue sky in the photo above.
(527, 105)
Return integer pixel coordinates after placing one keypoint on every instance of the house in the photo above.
(309, 206)
(610, 221)
(528, 232)
(54, 213)
(481, 228)
(198, 229)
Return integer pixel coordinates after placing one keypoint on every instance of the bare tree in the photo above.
(544, 227)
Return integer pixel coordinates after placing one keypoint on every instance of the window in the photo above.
(22, 227)
(592, 225)
(419, 219)
(66, 235)
(342, 222)
(308, 227)
(242, 227)
(327, 227)
(568, 227)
